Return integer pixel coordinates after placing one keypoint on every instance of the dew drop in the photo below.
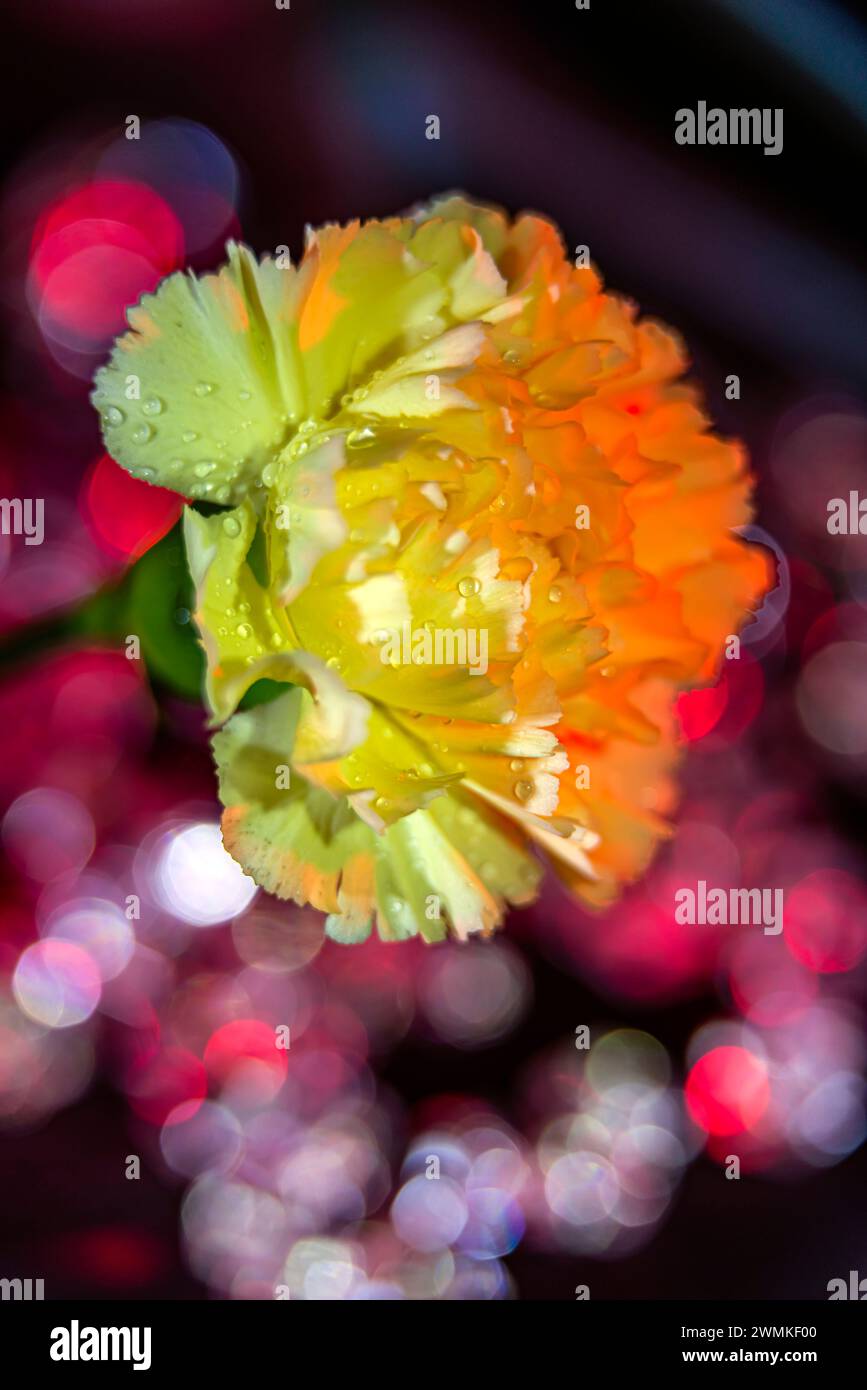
(204, 388)
(189, 436)
(142, 434)
(244, 395)
(202, 469)
(243, 630)
(223, 494)
(152, 406)
(362, 438)
(523, 790)
(517, 764)
(555, 593)
(113, 416)
(231, 526)
(468, 586)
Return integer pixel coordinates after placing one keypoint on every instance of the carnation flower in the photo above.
(473, 532)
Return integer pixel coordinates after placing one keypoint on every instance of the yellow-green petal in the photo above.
(203, 390)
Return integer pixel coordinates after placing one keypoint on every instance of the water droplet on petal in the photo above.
(231, 526)
(468, 586)
(113, 416)
(152, 406)
(189, 436)
(523, 790)
(362, 438)
(204, 388)
(243, 630)
(555, 593)
(202, 469)
(517, 764)
(142, 434)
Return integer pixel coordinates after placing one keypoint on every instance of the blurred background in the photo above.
(142, 975)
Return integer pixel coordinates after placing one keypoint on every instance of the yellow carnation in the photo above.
(475, 533)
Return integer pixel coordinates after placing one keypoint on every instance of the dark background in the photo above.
(758, 262)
